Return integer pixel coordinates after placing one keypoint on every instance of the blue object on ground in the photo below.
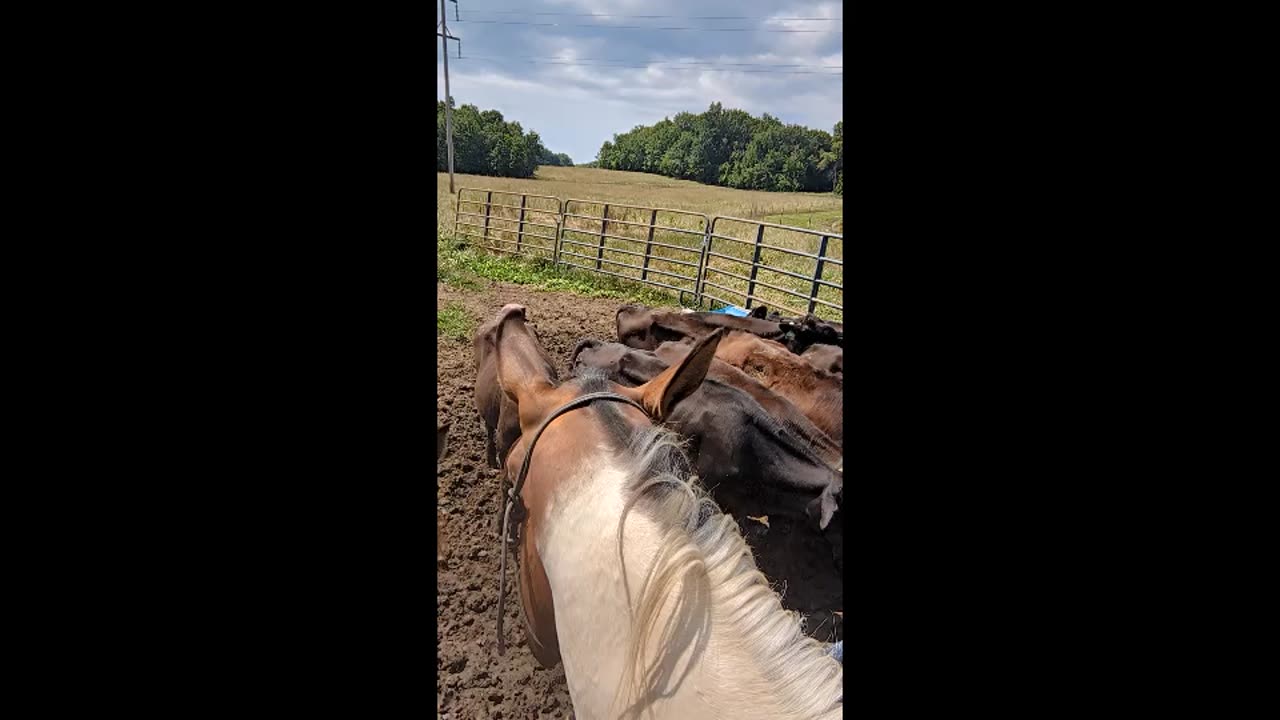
(734, 311)
(837, 651)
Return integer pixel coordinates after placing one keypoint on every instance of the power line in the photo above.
(682, 17)
(647, 63)
(694, 69)
(639, 27)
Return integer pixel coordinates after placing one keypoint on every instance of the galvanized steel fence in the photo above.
(689, 253)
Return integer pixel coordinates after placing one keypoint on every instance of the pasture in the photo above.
(676, 248)
(473, 681)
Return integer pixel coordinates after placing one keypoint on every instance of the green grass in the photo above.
(453, 321)
(829, 220)
(624, 191)
(466, 267)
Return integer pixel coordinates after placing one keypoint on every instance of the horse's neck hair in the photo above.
(678, 618)
(592, 616)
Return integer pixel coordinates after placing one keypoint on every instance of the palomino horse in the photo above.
(664, 612)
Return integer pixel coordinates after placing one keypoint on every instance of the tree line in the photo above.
(484, 143)
(734, 149)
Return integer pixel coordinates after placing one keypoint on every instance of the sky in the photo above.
(579, 86)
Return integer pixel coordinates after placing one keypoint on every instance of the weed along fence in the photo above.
(516, 223)
(710, 261)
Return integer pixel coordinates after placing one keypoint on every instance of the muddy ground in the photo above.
(473, 681)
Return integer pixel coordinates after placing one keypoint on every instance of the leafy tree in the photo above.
(484, 143)
(832, 160)
(546, 157)
(729, 147)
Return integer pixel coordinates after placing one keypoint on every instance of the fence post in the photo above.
(817, 274)
(520, 224)
(604, 222)
(457, 209)
(488, 204)
(755, 265)
(699, 285)
(648, 244)
(561, 208)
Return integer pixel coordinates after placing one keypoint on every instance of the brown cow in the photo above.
(827, 358)
(817, 394)
(645, 329)
(778, 407)
(502, 424)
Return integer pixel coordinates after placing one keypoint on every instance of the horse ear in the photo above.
(661, 394)
(525, 373)
(523, 368)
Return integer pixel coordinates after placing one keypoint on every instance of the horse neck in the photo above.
(579, 550)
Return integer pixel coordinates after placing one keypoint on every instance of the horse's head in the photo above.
(570, 439)
(529, 379)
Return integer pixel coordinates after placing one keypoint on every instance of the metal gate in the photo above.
(598, 234)
(506, 225)
(711, 259)
(778, 253)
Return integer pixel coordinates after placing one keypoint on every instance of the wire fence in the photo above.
(711, 261)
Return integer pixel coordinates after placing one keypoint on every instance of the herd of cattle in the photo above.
(764, 430)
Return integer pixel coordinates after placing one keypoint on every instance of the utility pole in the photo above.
(445, 37)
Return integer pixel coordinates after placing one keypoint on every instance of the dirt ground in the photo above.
(473, 681)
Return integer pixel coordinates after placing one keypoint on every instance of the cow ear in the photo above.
(821, 508)
(661, 394)
(442, 440)
(759, 312)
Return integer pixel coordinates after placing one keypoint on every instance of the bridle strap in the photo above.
(515, 505)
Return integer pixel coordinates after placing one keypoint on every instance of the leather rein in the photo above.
(515, 511)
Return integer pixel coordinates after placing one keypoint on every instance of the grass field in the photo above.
(677, 238)
(455, 322)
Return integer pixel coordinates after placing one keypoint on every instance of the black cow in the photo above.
(756, 462)
(800, 334)
(645, 329)
(755, 467)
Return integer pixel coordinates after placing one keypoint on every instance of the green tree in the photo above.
(729, 147)
(485, 143)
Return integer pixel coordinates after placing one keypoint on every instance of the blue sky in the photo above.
(519, 70)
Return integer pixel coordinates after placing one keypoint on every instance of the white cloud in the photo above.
(828, 30)
(575, 108)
